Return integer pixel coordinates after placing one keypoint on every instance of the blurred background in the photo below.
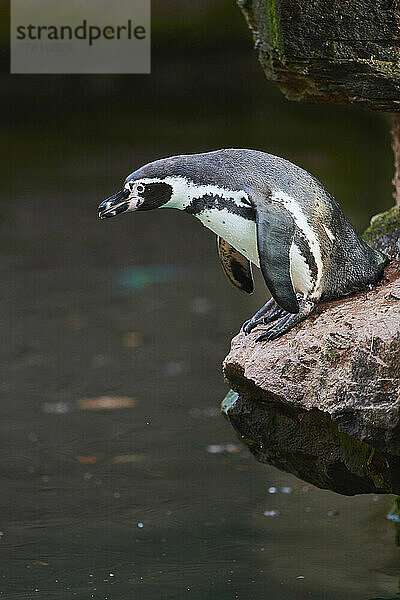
(119, 478)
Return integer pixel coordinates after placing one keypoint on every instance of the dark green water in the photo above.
(147, 494)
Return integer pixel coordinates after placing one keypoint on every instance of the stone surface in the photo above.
(330, 51)
(384, 233)
(323, 401)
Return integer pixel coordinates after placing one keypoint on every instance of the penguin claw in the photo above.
(267, 314)
(277, 329)
(268, 336)
(270, 318)
(286, 322)
(279, 321)
(249, 325)
(264, 337)
(245, 326)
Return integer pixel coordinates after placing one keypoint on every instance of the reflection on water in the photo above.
(119, 477)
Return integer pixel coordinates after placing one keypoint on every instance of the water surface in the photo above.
(119, 477)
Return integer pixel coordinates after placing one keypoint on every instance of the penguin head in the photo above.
(173, 182)
(138, 193)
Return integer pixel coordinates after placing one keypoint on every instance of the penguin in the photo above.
(266, 212)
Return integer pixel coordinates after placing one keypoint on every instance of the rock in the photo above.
(329, 51)
(384, 233)
(323, 401)
(310, 445)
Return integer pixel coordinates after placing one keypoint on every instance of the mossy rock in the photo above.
(329, 51)
(383, 234)
(310, 445)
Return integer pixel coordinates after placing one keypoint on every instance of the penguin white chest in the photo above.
(236, 230)
(241, 233)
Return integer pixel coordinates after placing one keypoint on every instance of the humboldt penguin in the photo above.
(265, 211)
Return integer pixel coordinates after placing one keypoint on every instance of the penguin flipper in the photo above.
(236, 266)
(275, 231)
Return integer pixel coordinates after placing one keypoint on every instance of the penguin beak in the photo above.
(114, 205)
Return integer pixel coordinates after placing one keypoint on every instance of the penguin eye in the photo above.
(140, 188)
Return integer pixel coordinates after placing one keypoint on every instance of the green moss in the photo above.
(356, 451)
(359, 458)
(332, 354)
(383, 223)
(271, 8)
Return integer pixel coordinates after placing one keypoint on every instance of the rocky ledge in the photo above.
(323, 401)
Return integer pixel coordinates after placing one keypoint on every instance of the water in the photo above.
(119, 477)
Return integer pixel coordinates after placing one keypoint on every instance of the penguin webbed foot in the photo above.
(287, 321)
(267, 314)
